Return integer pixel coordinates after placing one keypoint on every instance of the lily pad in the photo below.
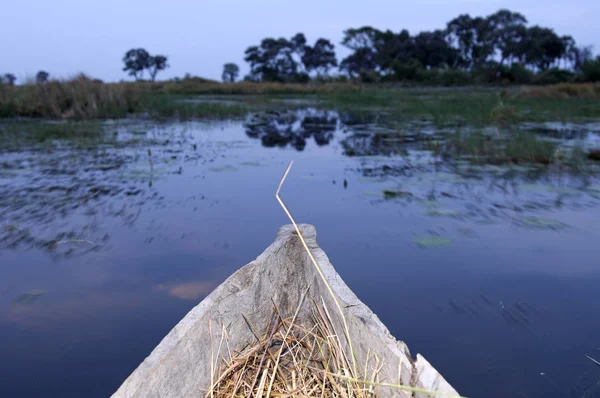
(432, 241)
(30, 297)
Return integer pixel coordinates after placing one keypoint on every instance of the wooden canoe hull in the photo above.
(180, 365)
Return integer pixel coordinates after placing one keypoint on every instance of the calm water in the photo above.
(491, 273)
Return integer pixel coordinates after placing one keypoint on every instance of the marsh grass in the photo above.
(158, 106)
(472, 106)
(199, 87)
(77, 98)
(516, 147)
(563, 90)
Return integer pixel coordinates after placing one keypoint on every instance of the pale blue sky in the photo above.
(68, 36)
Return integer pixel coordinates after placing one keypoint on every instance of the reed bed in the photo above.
(293, 359)
(563, 90)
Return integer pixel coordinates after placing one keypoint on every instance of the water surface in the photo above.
(490, 271)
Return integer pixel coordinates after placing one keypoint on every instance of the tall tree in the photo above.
(364, 37)
(542, 47)
(579, 56)
(506, 30)
(10, 79)
(433, 51)
(360, 61)
(472, 37)
(42, 76)
(136, 61)
(155, 64)
(230, 72)
(320, 57)
(273, 60)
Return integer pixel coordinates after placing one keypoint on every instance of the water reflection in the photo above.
(293, 128)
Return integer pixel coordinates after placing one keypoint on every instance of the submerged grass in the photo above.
(517, 147)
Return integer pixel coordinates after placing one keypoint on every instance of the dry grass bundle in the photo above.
(296, 358)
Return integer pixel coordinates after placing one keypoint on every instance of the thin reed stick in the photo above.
(318, 268)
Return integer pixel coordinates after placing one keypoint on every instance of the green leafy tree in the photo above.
(230, 72)
(9, 79)
(506, 30)
(472, 37)
(542, 47)
(156, 64)
(320, 57)
(136, 61)
(273, 60)
(42, 76)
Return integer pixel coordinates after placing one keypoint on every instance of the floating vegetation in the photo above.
(30, 297)
(542, 223)
(252, 164)
(432, 241)
(219, 169)
(396, 194)
(548, 188)
(443, 213)
(429, 203)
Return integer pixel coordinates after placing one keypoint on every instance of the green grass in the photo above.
(515, 147)
(82, 98)
(170, 106)
(472, 106)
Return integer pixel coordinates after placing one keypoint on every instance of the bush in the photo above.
(428, 76)
(455, 77)
(518, 74)
(553, 76)
(406, 70)
(591, 70)
(370, 77)
(490, 72)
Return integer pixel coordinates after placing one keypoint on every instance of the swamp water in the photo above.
(108, 240)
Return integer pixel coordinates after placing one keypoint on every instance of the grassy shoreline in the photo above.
(82, 98)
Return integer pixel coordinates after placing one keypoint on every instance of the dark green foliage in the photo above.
(230, 72)
(155, 64)
(137, 60)
(320, 57)
(553, 76)
(9, 79)
(42, 76)
(519, 74)
(591, 70)
(497, 49)
(282, 60)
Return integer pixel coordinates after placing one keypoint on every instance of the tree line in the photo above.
(499, 47)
